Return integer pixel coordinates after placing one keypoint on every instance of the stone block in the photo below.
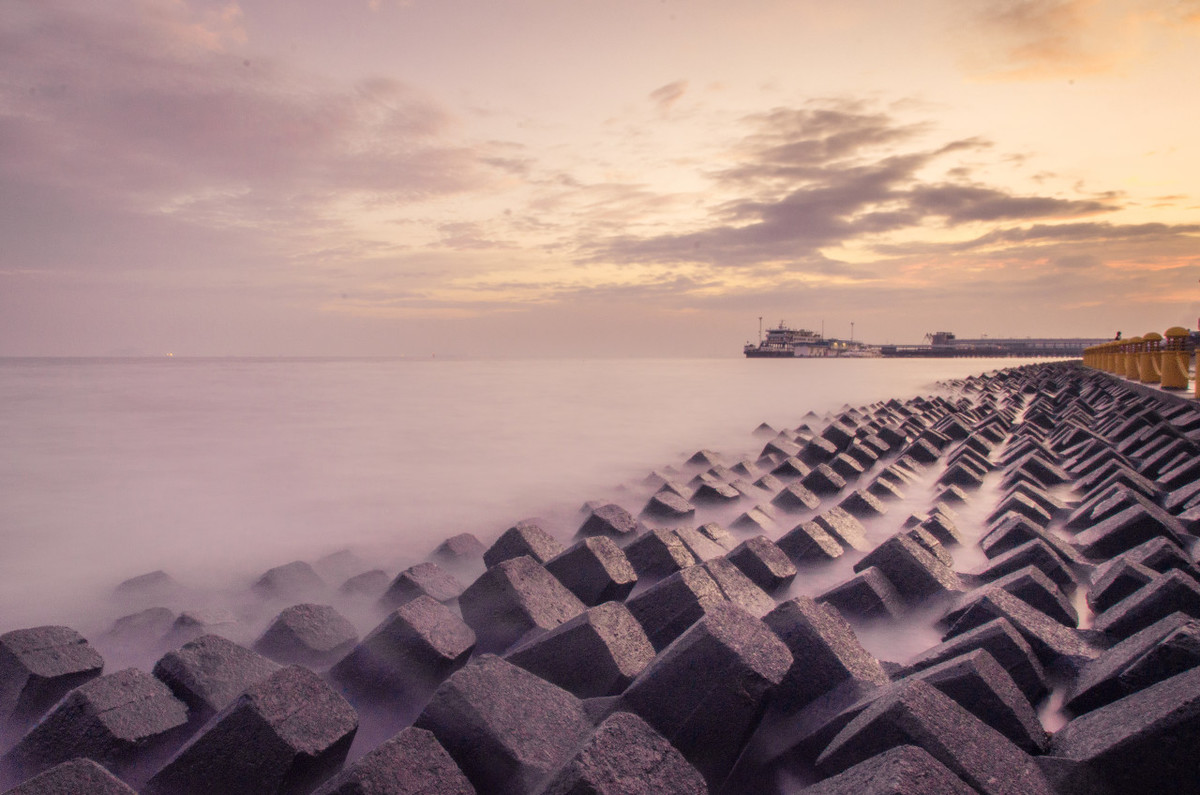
(764, 563)
(1031, 553)
(411, 763)
(818, 451)
(155, 587)
(886, 488)
(943, 528)
(666, 609)
(513, 598)
(714, 493)
(1117, 581)
(738, 588)
(293, 581)
(209, 672)
(915, 713)
(1019, 503)
(74, 777)
(847, 467)
(902, 770)
(507, 729)
(595, 570)
(125, 721)
(1055, 645)
(867, 595)
(1001, 640)
(848, 531)
(710, 718)
(930, 544)
(917, 575)
(825, 651)
(1141, 743)
(667, 506)
(38, 666)
(191, 624)
(809, 543)
(1162, 596)
(823, 481)
(1031, 586)
(626, 756)
(961, 475)
(789, 470)
(597, 653)
(613, 521)
(702, 544)
(658, 553)
(285, 734)
(982, 687)
(862, 505)
(141, 628)
(759, 519)
(524, 538)
(368, 585)
(795, 498)
(423, 579)
(406, 657)
(315, 636)
(1128, 529)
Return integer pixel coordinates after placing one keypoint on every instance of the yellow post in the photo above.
(1149, 359)
(1129, 358)
(1175, 359)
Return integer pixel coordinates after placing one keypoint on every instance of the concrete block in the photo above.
(315, 636)
(866, 596)
(597, 653)
(507, 729)
(1006, 645)
(38, 666)
(764, 563)
(710, 493)
(790, 469)
(77, 776)
(1117, 581)
(1055, 645)
(930, 544)
(759, 520)
(285, 734)
(808, 543)
(524, 538)
(903, 770)
(738, 588)
(406, 657)
(667, 506)
(824, 648)
(823, 481)
(1165, 594)
(666, 609)
(613, 521)
(1128, 529)
(917, 575)
(658, 553)
(123, 720)
(368, 585)
(862, 505)
(915, 713)
(512, 598)
(1028, 584)
(411, 763)
(795, 498)
(595, 570)
(423, 579)
(702, 544)
(848, 531)
(293, 581)
(1032, 553)
(209, 672)
(1141, 743)
(709, 718)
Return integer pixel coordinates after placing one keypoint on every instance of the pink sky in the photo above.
(588, 178)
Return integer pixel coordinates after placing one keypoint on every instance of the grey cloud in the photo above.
(964, 203)
(664, 97)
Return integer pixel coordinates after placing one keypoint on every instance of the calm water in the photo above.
(217, 469)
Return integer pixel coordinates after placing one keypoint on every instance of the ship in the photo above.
(945, 345)
(799, 343)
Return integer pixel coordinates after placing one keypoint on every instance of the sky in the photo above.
(591, 178)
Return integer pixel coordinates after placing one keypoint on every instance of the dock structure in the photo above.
(943, 344)
(1025, 539)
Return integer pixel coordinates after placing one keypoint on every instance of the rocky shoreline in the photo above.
(1024, 539)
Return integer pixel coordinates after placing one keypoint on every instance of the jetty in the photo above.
(988, 588)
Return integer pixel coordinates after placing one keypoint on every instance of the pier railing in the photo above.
(1153, 358)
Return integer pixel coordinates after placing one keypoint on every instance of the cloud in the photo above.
(664, 97)
(809, 180)
(1058, 39)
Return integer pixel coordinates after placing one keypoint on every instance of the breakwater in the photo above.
(713, 629)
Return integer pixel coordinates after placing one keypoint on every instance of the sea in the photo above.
(216, 469)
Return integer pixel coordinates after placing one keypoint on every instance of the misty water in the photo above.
(216, 469)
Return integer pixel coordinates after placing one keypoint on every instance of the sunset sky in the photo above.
(591, 177)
